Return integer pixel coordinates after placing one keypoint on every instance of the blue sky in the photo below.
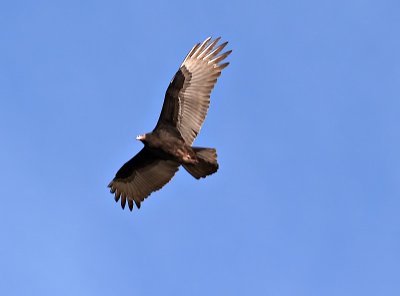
(305, 120)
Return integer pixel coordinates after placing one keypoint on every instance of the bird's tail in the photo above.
(207, 164)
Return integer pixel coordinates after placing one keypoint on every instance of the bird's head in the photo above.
(141, 138)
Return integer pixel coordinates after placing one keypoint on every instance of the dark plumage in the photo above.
(169, 145)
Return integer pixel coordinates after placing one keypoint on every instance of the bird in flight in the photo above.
(169, 145)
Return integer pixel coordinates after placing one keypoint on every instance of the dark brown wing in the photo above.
(188, 96)
(140, 176)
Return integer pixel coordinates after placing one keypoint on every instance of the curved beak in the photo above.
(140, 137)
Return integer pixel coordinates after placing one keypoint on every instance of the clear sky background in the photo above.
(306, 121)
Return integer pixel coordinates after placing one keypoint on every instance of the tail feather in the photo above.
(207, 164)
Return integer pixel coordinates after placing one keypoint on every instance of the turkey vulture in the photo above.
(169, 145)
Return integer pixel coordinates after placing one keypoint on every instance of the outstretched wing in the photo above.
(140, 176)
(188, 96)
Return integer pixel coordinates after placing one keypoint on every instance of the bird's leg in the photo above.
(186, 155)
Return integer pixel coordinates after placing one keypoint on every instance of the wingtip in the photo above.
(220, 58)
(123, 202)
(207, 39)
(227, 53)
(224, 44)
(223, 66)
(130, 204)
(116, 198)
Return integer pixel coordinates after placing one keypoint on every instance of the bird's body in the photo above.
(169, 145)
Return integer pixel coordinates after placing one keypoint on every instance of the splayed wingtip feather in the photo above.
(130, 204)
